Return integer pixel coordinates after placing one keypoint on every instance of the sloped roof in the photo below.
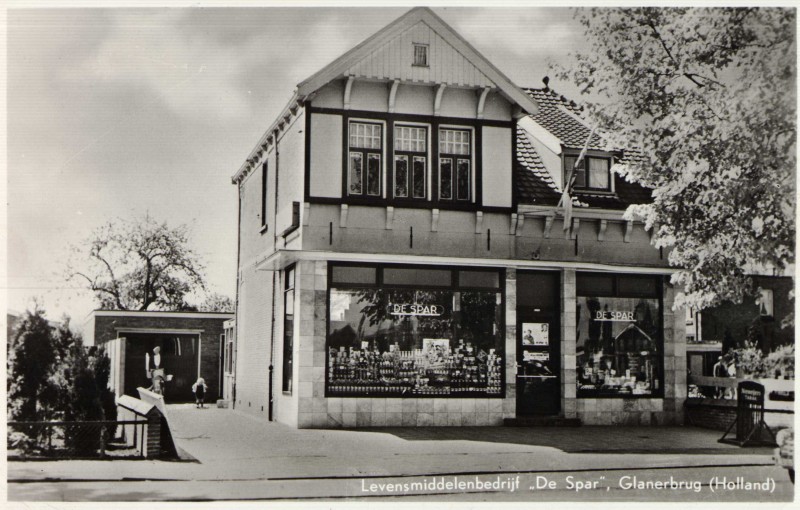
(562, 118)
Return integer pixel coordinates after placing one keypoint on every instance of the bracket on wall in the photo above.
(437, 102)
(389, 217)
(478, 221)
(482, 102)
(628, 231)
(306, 209)
(434, 220)
(601, 230)
(512, 229)
(393, 95)
(343, 216)
(520, 224)
(347, 90)
(548, 225)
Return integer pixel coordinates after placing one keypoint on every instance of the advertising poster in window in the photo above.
(536, 333)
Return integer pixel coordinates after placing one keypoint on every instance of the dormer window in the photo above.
(593, 173)
(421, 55)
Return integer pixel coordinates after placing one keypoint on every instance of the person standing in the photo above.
(155, 371)
(199, 389)
(719, 370)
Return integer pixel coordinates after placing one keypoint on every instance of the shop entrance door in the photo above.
(538, 345)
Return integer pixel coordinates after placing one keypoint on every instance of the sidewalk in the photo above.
(230, 446)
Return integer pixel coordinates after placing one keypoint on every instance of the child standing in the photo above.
(199, 389)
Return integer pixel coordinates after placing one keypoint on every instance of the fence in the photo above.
(77, 439)
(717, 413)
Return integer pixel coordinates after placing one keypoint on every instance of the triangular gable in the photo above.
(452, 59)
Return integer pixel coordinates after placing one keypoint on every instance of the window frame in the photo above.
(410, 156)
(455, 160)
(426, 48)
(585, 162)
(366, 153)
(658, 296)
(264, 191)
(454, 286)
(287, 363)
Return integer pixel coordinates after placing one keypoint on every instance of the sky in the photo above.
(117, 113)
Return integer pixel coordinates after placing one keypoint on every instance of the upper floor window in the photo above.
(410, 161)
(592, 172)
(455, 164)
(264, 195)
(421, 55)
(364, 175)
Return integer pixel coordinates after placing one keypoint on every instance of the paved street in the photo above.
(237, 457)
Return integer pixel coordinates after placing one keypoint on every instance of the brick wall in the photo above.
(710, 413)
(106, 328)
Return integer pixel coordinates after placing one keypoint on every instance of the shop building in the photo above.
(191, 345)
(403, 259)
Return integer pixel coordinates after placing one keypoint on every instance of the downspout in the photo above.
(236, 299)
(275, 281)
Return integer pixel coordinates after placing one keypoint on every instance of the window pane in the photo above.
(374, 174)
(580, 178)
(463, 179)
(485, 279)
(645, 286)
(446, 179)
(401, 176)
(365, 136)
(419, 177)
(407, 276)
(595, 285)
(414, 343)
(356, 164)
(289, 311)
(618, 347)
(352, 274)
(598, 173)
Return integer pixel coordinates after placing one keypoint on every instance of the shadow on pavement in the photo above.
(586, 439)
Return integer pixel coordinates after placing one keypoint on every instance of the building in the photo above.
(190, 347)
(403, 259)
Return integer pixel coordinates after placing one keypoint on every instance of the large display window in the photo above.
(620, 339)
(399, 331)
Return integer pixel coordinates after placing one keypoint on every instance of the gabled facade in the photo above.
(402, 260)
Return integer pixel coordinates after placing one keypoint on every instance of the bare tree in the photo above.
(138, 264)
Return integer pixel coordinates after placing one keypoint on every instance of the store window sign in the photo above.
(613, 316)
(416, 309)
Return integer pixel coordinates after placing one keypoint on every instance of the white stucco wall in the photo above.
(326, 156)
(496, 164)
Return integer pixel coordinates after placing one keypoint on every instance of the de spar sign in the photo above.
(416, 309)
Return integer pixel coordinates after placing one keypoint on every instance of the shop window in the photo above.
(591, 173)
(455, 164)
(619, 346)
(479, 279)
(410, 161)
(288, 329)
(595, 285)
(416, 276)
(397, 340)
(354, 275)
(364, 167)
